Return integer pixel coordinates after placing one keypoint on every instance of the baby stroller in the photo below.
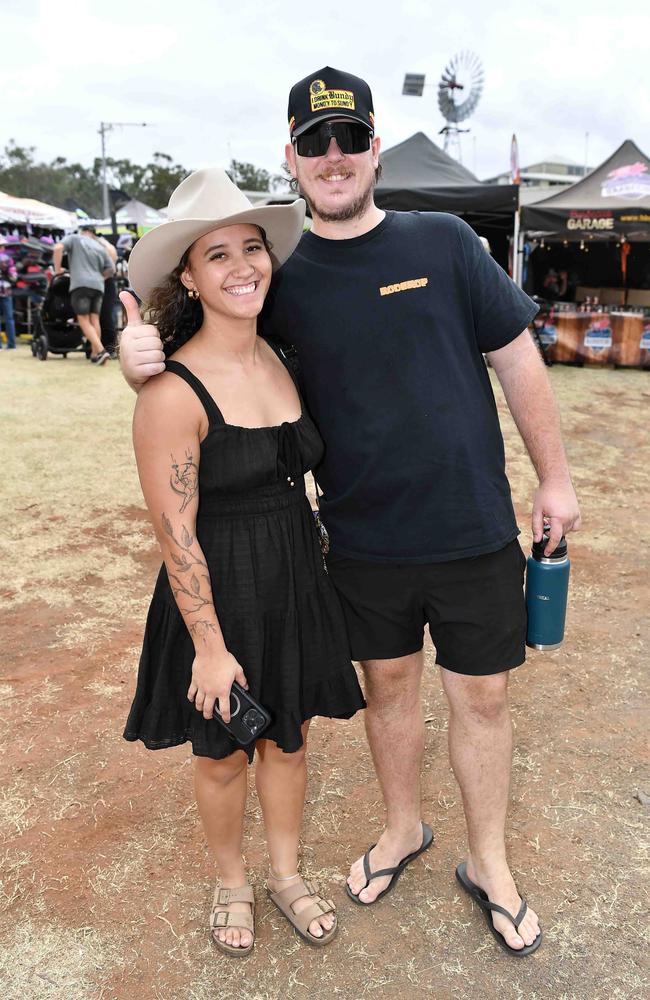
(55, 328)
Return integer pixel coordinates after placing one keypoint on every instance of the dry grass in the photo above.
(41, 960)
(105, 882)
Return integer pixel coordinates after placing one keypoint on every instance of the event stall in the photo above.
(31, 228)
(29, 214)
(588, 258)
(416, 174)
(134, 216)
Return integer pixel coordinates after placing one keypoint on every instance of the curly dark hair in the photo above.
(170, 308)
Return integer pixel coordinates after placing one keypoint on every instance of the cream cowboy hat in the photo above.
(204, 201)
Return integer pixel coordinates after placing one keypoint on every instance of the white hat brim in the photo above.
(159, 251)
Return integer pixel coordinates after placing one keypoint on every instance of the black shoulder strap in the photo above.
(289, 357)
(212, 410)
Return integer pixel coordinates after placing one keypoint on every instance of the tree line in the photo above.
(72, 185)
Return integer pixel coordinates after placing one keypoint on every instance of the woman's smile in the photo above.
(248, 289)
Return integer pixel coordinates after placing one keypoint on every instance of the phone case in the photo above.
(248, 719)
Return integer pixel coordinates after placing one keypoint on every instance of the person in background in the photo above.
(124, 245)
(109, 302)
(8, 277)
(555, 283)
(89, 265)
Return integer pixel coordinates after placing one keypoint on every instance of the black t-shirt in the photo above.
(390, 328)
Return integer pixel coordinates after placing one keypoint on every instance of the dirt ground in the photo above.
(105, 881)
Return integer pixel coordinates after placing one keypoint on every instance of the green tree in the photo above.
(160, 178)
(251, 178)
(59, 181)
(54, 182)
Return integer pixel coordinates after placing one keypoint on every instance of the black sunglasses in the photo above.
(351, 137)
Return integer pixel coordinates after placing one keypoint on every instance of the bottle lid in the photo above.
(560, 552)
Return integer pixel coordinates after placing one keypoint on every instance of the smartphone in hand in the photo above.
(248, 719)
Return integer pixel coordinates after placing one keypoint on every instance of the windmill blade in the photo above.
(462, 74)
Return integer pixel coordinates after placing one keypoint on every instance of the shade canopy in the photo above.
(28, 211)
(612, 201)
(417, 174)
(137, 213)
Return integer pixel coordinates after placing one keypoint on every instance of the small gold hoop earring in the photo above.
(193, 294)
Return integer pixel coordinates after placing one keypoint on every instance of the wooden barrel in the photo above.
(645, 343)
(597, 339)
(546, 332)
(627, 331)
(570, 334)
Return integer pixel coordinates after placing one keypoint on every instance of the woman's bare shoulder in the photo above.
(166, 398)
(162, 390)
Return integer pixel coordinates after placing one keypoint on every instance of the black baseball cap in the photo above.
(329, 93)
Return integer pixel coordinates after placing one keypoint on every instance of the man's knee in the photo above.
(392, 682)
(485, 698)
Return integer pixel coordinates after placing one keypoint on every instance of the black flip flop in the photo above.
(480, 897)
(427, 840)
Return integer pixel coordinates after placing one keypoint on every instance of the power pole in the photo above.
(105, 127)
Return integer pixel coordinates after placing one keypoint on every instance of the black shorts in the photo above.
(475, 609)
(85, 301)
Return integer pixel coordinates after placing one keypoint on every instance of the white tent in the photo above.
(134, 213)
(137, 213)
(28, 211)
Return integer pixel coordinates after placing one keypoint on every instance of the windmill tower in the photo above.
(459, 90)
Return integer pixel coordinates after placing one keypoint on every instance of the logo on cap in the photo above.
(321, 99)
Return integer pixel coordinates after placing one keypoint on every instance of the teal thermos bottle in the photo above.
(547, 587)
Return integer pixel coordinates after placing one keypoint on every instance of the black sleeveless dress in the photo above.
(277, 608)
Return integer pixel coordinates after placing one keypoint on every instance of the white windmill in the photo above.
(459, 91)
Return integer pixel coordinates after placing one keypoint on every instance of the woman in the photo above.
(222, 443)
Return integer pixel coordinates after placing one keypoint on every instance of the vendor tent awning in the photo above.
(612, 201)
(137, 213)
(134, 213)
(416, 174)
(28, 211)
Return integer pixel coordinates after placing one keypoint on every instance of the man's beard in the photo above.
(352, 211)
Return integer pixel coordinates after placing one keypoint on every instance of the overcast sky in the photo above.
(213, 78)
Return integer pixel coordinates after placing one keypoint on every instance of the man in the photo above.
(391, 314)
(88, 264)
(8, 277)
(109, 302)
(124, 245)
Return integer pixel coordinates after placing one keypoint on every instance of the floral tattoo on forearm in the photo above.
(190, 581)
(184, 479)
(186, 560)
(202, 629)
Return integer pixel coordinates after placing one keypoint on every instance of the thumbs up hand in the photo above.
(141, 353)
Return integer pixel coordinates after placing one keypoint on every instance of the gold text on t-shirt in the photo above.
(404, 286)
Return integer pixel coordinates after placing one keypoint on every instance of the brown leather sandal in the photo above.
(284, 900)
(221, 918)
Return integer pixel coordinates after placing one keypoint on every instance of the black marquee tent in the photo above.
(416, 174)
(611, 202)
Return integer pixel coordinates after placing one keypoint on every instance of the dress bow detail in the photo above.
(289, 461)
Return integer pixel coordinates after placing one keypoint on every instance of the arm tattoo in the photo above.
(200, 629)
(184, 479)
(184, 559)
(192, 591)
